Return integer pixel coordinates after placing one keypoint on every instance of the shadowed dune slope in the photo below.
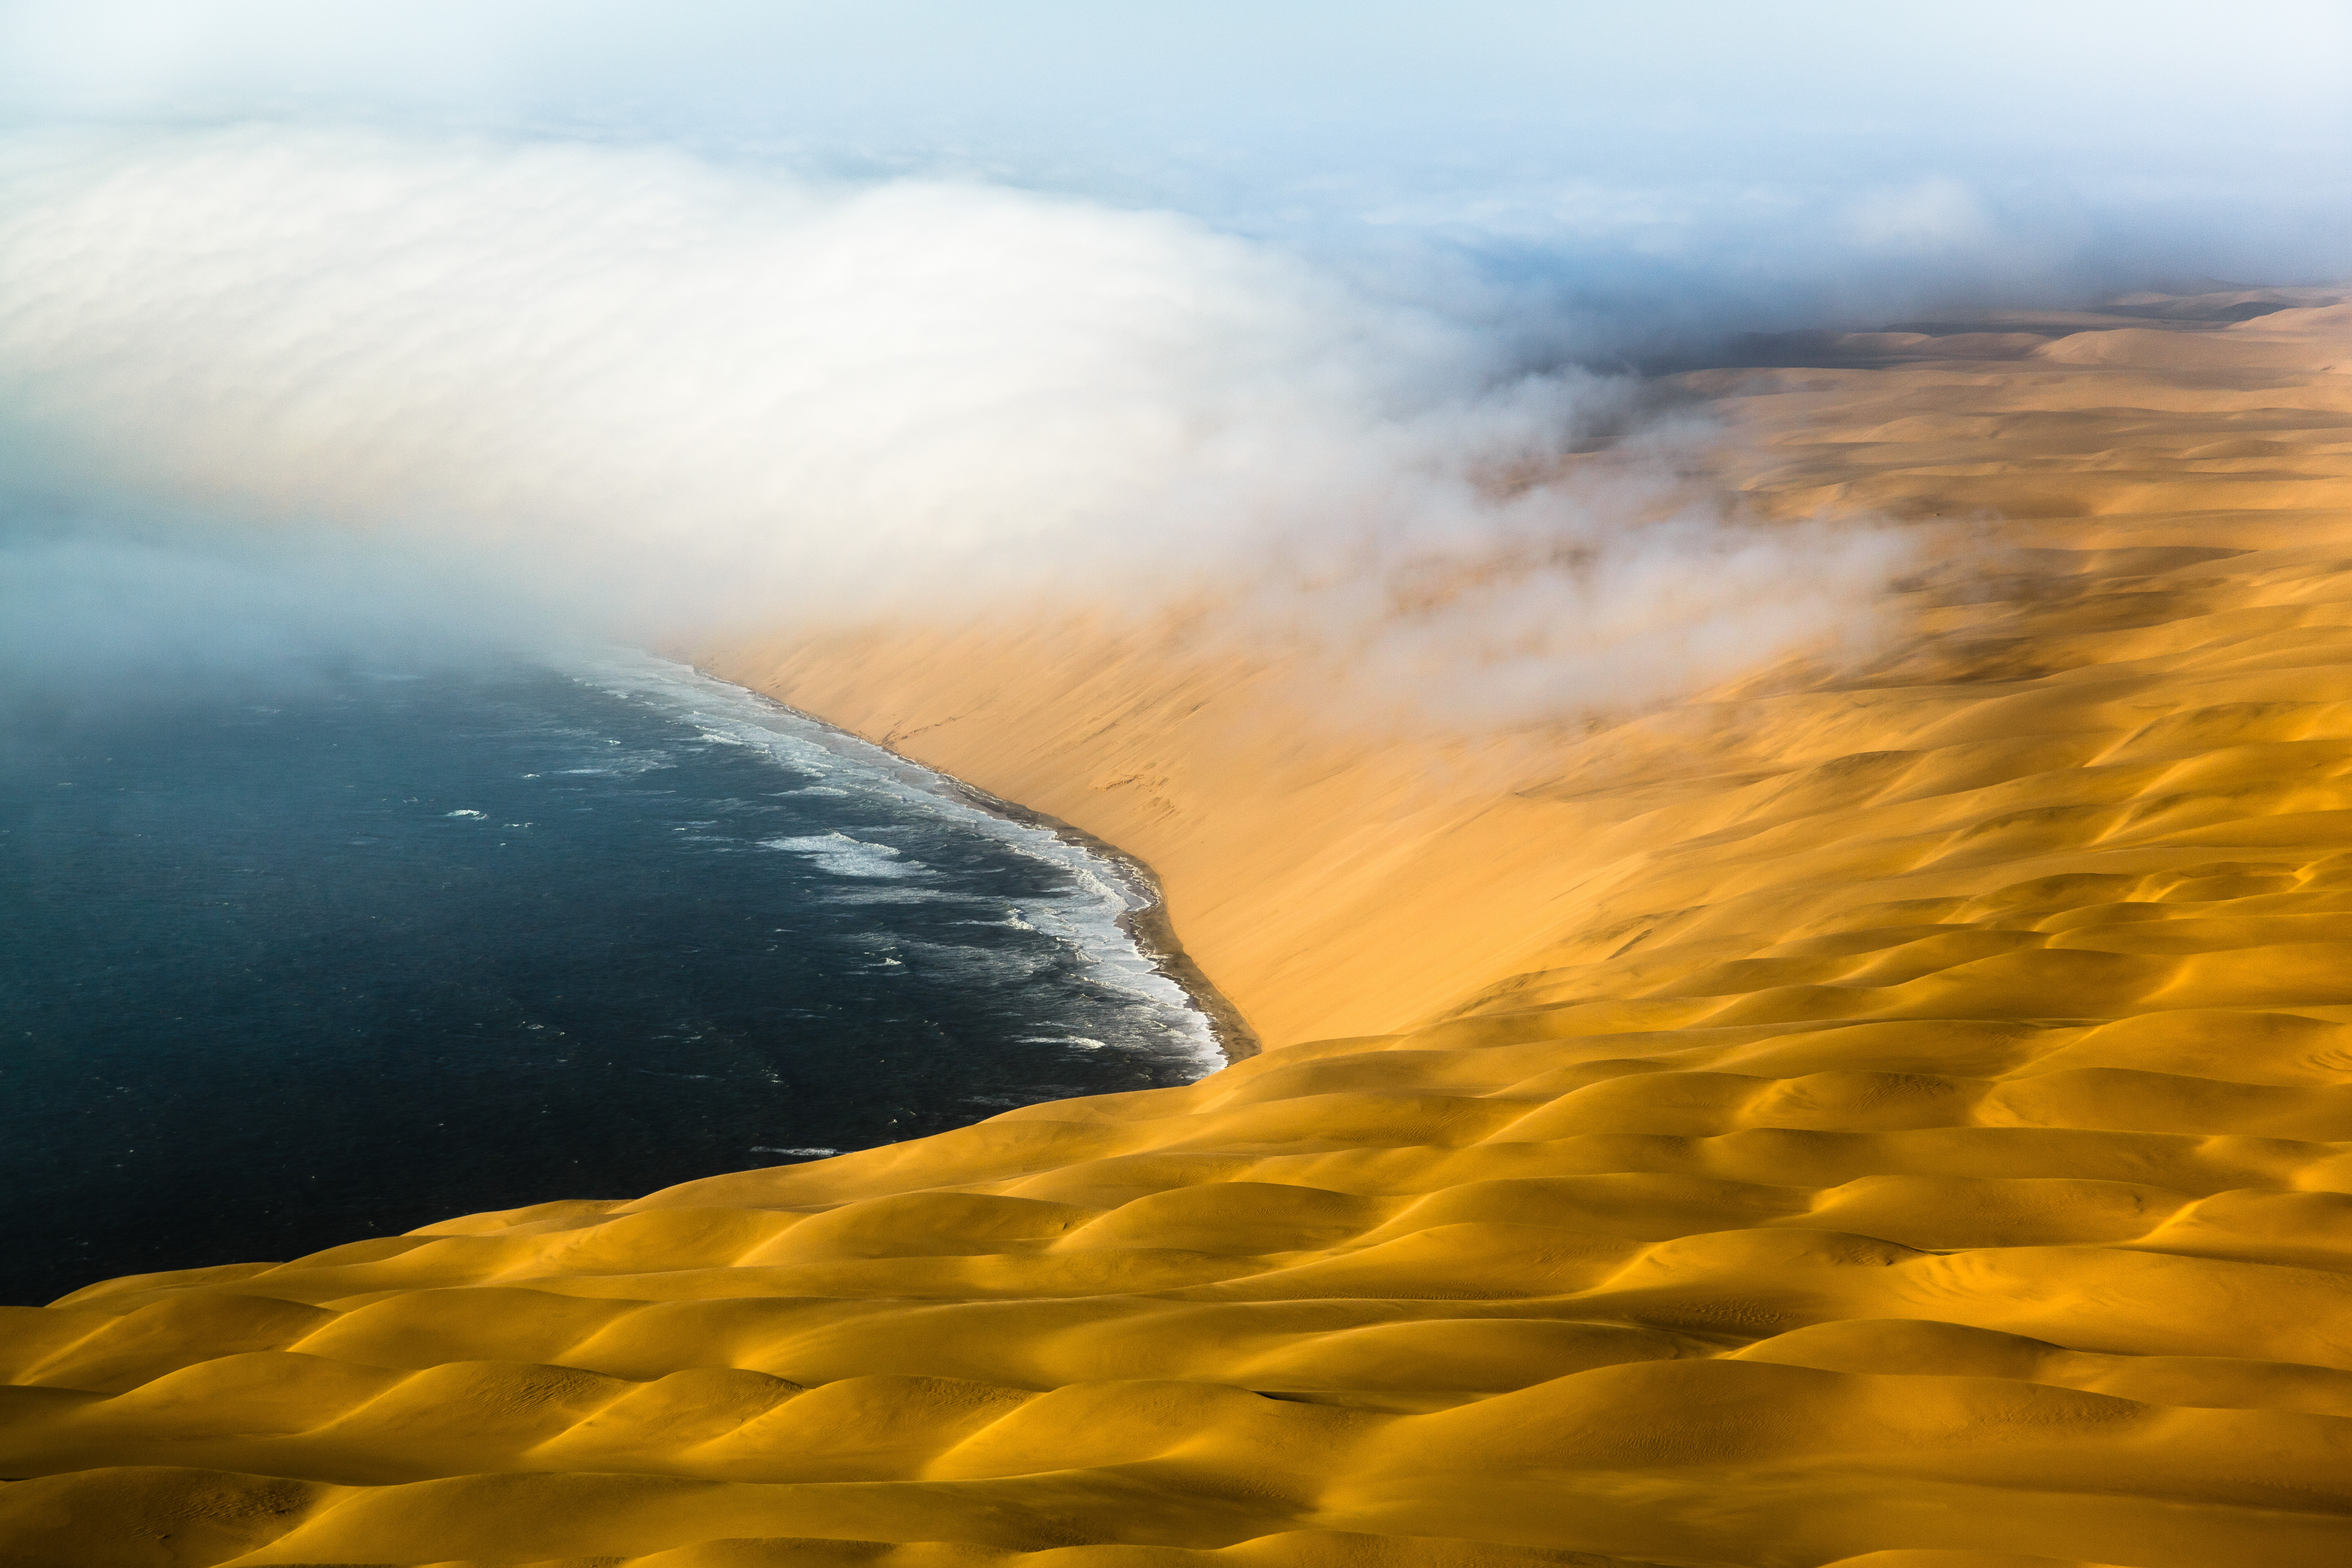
(1893, 1114)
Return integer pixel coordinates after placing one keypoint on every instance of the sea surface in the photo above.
(395, 945)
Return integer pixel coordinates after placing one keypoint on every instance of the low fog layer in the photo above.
(675, 396)
(102, 624)
(650, 319)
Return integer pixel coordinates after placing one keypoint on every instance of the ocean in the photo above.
(385, 946)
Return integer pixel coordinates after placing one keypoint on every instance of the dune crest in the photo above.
(1889, 1114)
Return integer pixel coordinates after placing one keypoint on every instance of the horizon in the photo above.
(629, 319)
(2020, 150)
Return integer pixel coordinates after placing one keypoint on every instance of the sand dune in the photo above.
(1894, 1114)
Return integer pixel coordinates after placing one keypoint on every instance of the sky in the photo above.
(661, 316)
(2068, 144)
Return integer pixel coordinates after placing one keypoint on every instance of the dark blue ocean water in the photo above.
(392, 946)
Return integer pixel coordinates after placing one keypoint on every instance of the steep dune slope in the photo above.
(1896, 1114)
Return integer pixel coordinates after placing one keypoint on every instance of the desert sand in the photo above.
(1891, 1112)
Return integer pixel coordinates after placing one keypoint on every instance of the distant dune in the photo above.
(1896, 1111)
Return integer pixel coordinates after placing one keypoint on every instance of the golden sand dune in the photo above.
(1896, 1114)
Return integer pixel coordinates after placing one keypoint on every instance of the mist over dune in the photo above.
(670, 392)
(711, 313)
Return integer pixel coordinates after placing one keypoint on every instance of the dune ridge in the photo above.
(1894, 1113)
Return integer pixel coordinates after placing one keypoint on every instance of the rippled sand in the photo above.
(1895, 1112)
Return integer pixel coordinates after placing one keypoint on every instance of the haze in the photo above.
(711, 311)
(2066, 139)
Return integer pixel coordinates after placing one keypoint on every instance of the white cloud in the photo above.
(1929, 217)
(681, 391)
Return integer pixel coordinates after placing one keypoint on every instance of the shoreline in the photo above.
(1148, 926)
(1890, 1110)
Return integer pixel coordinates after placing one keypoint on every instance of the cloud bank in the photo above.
(98, 625)
(675, 394)
(673, 314)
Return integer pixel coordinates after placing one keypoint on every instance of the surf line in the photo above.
(1144, 922)
(1142, 919)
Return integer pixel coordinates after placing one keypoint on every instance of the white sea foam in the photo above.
(993, 965)
(625, 765)
(888, 893)
(1087, 920)
(875, 890)
(1011, 921)
(846, 857)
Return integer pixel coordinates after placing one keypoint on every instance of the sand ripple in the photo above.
(1913, 1128)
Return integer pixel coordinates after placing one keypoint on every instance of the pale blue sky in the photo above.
(1583, 178)
(2033, 136)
